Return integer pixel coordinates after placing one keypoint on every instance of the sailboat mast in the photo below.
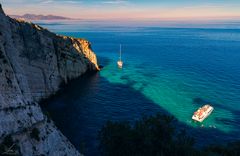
(120, 52)
(119, 62)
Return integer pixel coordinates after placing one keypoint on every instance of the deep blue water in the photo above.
(172, 70)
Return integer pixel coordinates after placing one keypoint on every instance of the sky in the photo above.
(127, 9)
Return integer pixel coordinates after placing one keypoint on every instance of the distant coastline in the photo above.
(40, 17)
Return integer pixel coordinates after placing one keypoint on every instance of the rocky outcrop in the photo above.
(33, 64)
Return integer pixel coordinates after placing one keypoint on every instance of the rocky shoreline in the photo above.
(33, 64)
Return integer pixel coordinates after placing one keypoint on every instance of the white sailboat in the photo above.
(120, 62)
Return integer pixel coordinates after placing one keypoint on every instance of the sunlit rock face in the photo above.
(33, 64)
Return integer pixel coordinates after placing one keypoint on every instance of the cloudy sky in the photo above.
(127, 9)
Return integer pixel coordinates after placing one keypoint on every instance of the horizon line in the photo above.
(196, 18)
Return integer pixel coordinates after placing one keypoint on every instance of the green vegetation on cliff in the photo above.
(155, 136)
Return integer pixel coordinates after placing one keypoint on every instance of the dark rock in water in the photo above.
(101, 66)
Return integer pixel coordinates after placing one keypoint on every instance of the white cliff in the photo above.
(33, 64)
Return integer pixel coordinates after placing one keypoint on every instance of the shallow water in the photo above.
(173, 70)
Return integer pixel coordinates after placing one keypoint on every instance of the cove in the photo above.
(86, 104)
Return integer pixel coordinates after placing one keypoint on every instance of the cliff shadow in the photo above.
(86, 104)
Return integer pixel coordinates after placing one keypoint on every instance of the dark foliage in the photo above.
(48, 115)
(154, 136)
(30, 114)
(231, 149)
(35, 134)
(4, 61)
(9, 147)
(1, 54)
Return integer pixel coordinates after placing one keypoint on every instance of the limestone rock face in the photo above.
(33, 64)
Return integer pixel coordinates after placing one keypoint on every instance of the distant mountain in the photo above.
(39, 17)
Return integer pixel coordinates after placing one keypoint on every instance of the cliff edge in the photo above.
(33, 64)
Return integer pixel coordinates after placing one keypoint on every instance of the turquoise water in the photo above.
(173, 70)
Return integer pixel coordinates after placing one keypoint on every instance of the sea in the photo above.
(171, 67)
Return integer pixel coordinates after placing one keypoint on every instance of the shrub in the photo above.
(9, 147)
(35, 134)
(9, 81)
(231, 149)
(47, 115)
(154, 135)
(4, 61)
(1, 54)
(30, 114)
